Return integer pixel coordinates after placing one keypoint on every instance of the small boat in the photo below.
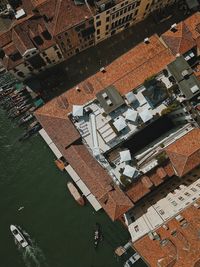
(25, 119)
(19, 237)
(76, 195)
(97, 235)
(21, 208)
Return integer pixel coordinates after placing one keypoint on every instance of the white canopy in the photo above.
(130, 97)
(125, 155)
(146, 115)
(129, 171)
(77, 110)
(120, 123)
(131, 115)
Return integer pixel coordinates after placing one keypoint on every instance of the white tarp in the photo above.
(93, 201)
(130, 97)
(131, 115)
(45, 136)
(120, 123)
(77, 110)
(125, 155)
(84, 189)
(129, 171)
(55, 150)
(146, 115)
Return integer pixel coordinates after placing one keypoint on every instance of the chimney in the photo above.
(146, 40)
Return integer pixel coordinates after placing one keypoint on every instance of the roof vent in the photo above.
(173, 27)
(103, 69)
(146, 40)
(185, 73)
(78, 89)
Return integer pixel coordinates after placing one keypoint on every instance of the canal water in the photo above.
(60, 230)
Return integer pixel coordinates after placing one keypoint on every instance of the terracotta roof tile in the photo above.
(179, 41)
(155, 178)
(125, 73)
(137, 191)
(5, 38)
(179, 250)
(10, 49)
(112, 199)
(169, 169)
(192, 23)
(146, 182)
(161, 172)
(61, 130)
(184, 153)
(67, 14)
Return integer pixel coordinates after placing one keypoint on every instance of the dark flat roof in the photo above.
(189, 85)
(110, 99)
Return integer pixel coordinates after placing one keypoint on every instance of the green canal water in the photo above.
(60, 230)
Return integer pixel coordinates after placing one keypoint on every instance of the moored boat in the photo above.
(76, 195)
(19, 237)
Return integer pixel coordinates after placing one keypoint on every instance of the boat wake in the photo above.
(32, 255)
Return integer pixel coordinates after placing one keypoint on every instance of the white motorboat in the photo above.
(19, 237)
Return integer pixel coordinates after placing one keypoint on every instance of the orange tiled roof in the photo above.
(193, 23)
(67, 14)
(112, 199)
(125, 73)
(60, 129)
(149, 181)
(179, 41)
(184, 153)
(5, 38)
(179, 250)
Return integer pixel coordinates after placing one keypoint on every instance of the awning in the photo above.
(129, 171)
(77, 110)
(131, 115)
(125, 155)
(120, 123)
(146, 115)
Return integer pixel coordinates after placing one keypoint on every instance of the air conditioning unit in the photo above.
(173, 27)
(185, 73)
(103, 69)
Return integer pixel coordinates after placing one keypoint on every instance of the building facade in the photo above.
(83, 27)
(112, 17)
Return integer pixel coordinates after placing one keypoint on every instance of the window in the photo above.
(59, 55)
(107, 19)
(98, 23)
(97, 17)
(55, 47)
(107, 27)
(46, 35)
(122, 4)
(121, 12)
(187, 194)
(44, 54)
(20, 74)
(181, 198)
(174, 203)
(38, 40)
(193, 189)
(98, 31)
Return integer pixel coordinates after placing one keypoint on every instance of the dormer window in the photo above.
(46, 35)
(38, 40)
(16, 56)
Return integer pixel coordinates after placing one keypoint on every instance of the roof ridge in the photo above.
(58, 4)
